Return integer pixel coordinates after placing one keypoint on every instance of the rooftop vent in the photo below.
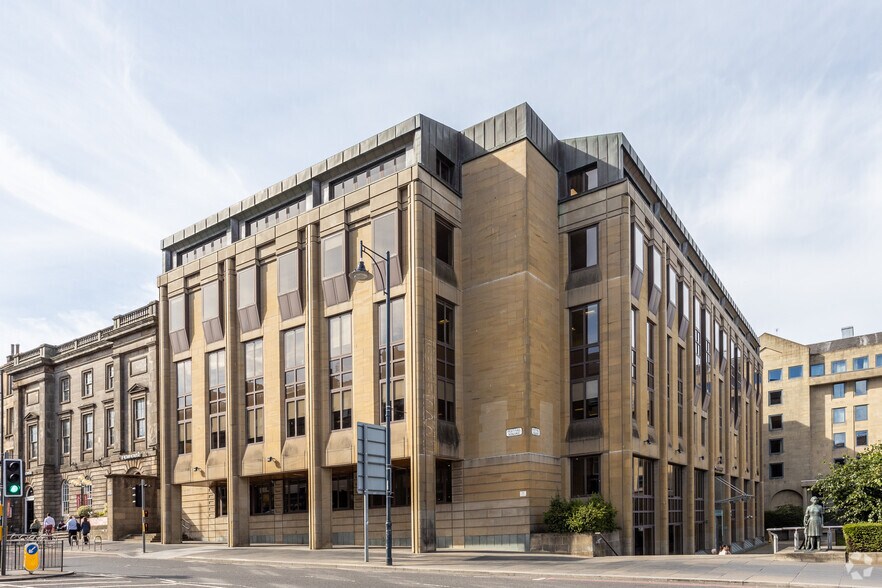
(847, 332)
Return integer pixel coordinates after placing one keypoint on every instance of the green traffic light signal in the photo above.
(12, 478)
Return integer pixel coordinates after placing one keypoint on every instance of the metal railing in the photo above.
(607, 543)
(830, 531)
(51, 552)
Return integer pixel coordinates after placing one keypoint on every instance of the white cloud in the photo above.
(91, 174)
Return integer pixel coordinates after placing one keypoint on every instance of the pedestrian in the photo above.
(49, 525)
(85, 528)
(72, 528)
(36, 526)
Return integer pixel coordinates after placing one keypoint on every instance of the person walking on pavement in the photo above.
(49, 525)
(36, 526)
(85, 528)
(72, 528)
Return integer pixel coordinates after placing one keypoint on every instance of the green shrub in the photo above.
(576, 516)
(594, 516)
(863, 537)
(555, 518)
(84, 511)
(786, 515)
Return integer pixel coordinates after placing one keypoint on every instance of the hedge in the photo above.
(786, 515)
(863, 537)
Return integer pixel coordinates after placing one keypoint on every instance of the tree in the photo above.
(852, 491)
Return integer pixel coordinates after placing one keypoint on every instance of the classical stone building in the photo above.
(555, 331)
(82, 417)
(823, 402)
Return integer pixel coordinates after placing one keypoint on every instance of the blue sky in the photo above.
(123, 122)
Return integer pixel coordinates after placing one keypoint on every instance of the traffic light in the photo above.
(13, 478)
(137, 496)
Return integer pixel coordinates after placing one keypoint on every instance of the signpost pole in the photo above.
(371, 471)
(143, 517)
(367, 553)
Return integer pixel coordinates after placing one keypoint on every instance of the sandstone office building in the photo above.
(823, 404)
(555, 331)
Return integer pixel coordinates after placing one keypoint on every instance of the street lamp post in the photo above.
(361, 274)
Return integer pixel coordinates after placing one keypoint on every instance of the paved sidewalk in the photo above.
(742, 569)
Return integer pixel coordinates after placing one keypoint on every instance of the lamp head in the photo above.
(360, 274)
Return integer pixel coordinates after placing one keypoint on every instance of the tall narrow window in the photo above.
(87, 383)
(443, 481)
(217, 398)
(295, 381)
(445, 361)
(650, 373)
(669, 399)
(108, 376)
(680, 367)
(247, 305)
(211, 312)
(698, 355)
(656, 280)
(397, 360)
(635, 337)
(290, 302)
(644, 505)
(65, 390)
(33, 442)
(443, 242)
(220, 500)
(386, 238)
(340, 370)
(177, 323)
(254, 391)
(65, 497)
(334, 282)
(583, 248)
(700, 493)
(341, 492)
(65, 437)
(685, 303)
(184, 383)
(637, 261)
(584, 362)
(88, 423)
(672, 295)
(675, 508)
(109, 429)
(139, 419)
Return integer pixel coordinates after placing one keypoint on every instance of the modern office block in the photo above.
(555, 331)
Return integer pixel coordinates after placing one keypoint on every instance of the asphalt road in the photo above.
(110, 570)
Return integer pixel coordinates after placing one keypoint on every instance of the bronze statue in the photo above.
(814, 525)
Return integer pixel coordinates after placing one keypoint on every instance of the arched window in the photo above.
(65, 497)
